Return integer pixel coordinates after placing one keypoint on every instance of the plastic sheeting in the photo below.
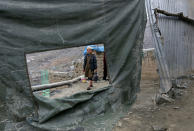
(36, 25)
(94, 47)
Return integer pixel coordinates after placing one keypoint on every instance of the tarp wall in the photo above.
(38, 25)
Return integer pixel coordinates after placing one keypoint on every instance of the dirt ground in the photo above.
(58, 60)
(75, 88)
(146, 116)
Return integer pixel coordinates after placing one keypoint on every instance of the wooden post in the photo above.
(54, 85)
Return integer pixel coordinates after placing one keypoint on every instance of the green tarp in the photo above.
(28, 26)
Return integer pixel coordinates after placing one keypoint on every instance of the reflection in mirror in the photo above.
(64, 72)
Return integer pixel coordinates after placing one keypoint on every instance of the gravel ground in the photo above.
(65, 91)
(56, 60)
(146, 116)
(77, 87)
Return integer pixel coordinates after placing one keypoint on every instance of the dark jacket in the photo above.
(93, 62)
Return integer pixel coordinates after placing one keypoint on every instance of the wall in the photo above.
(178, 35)
(149, 66)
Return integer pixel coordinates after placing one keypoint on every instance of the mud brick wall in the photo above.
(78, 67)
(149, 66)
(100, 64)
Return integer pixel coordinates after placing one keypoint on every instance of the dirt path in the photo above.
(75, 88)
(146, 116)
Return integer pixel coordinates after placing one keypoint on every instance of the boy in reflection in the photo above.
(90, 66)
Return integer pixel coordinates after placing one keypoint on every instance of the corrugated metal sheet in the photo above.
(165, 80)
(178, 36)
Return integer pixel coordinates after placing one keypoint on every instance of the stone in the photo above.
(159, 128)
(126, 119)
(175, 93)
(184, 86)
(192, 77)
(119, 124)
(73, 62)
(163, 98)
(179, 83)
(19, 125)
(78, 129)
(176, 107)
(130, 113)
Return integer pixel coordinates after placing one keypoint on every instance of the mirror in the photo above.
(64, 72)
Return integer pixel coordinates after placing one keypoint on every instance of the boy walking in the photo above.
(90, 65)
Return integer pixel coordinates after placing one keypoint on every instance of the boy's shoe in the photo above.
(89, 88)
